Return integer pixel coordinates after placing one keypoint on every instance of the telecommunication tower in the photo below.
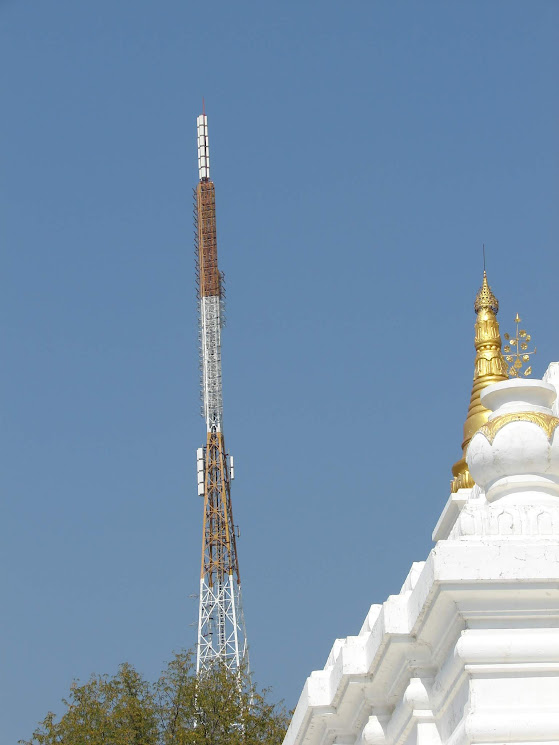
(221, 625)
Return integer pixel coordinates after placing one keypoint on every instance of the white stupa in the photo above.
(468, 651)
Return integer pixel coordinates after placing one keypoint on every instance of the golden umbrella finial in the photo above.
(485, 299)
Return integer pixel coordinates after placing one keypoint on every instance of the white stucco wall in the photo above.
(468, 651)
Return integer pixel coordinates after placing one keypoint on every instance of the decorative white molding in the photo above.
(506, 520)
(514, 457)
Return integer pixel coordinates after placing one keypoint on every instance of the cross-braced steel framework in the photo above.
(221, 626)
(221, 622)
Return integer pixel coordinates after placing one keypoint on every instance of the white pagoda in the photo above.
(468, 650)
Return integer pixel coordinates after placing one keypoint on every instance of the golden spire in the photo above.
(489, 368)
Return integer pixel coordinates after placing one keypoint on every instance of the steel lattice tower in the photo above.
(221, 626)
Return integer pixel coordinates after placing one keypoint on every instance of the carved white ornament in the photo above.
(515, 457)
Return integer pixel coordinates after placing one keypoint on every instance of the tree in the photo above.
(216, 708)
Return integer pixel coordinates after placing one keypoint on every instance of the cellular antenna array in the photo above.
(221, 625)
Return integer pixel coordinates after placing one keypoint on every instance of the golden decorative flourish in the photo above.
(547, 422)
(516, 351)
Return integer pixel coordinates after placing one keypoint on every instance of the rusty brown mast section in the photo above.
(221, 628)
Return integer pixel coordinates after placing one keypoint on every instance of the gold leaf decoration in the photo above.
(516, 351)
(546, 422)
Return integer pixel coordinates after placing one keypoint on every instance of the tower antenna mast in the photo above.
(221, 625)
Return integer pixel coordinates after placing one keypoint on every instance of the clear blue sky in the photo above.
(362, 153)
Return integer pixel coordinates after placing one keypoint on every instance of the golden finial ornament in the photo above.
(489, 367)
(485, 299)
(516, 351)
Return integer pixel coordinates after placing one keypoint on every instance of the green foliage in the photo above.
(216, 708)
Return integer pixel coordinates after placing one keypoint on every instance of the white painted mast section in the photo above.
(210, 332)
(203, 147)
(221, 625)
